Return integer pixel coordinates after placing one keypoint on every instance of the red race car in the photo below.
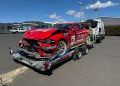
(48, 41)
(43, 48)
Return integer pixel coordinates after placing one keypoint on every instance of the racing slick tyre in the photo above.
(62, 47)
(78, 54)
(88, 40)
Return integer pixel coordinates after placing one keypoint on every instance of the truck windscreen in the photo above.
(94, 24)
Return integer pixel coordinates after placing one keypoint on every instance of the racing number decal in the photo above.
(82, 36)
(72, 39)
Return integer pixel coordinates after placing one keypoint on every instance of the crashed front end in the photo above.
(32, 59)
(45, 48)
(36, 52)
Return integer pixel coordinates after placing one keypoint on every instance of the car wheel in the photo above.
(62, 47)
(88, 40)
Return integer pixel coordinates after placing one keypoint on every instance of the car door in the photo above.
(79, 35)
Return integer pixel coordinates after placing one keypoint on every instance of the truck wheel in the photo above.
(62, 47)
(77, 54)
(99, 40)
(104, 37)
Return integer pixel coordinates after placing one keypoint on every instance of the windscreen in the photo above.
(62, 26)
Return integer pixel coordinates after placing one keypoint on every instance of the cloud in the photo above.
(98, 5)
(79, 15)
(75, 14)
(56, 17)
(71, 12)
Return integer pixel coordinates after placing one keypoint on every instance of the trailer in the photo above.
(46, 63)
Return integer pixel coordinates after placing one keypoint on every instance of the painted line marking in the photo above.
(8, 78)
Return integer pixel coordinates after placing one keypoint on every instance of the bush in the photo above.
(112, 30)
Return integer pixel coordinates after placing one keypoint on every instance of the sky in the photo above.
(56, 10)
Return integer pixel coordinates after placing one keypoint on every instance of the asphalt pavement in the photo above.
(101, 67)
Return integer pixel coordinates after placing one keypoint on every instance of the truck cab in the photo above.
(97, 29)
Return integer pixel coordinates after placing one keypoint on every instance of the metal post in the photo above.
(80, 10)
(95, 10)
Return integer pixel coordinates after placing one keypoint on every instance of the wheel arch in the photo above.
(62, 39)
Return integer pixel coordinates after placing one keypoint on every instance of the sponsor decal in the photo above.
(72, 39)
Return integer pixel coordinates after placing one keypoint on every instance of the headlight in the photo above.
(47, 41)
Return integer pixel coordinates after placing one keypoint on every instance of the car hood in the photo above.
(39, 33)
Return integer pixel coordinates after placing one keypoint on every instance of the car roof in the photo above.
(68, 23)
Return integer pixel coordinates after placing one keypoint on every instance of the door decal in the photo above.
(72, 39)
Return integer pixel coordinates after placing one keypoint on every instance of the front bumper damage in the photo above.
(22, 56)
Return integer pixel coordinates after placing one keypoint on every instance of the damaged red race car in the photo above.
(42, 48)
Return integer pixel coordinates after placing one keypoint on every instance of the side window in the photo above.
(22, 29)
(67, 27)
(80, 27)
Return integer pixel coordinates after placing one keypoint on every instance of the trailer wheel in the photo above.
(86, 50)
(62, 47)
(91, 46)
(77, 54)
